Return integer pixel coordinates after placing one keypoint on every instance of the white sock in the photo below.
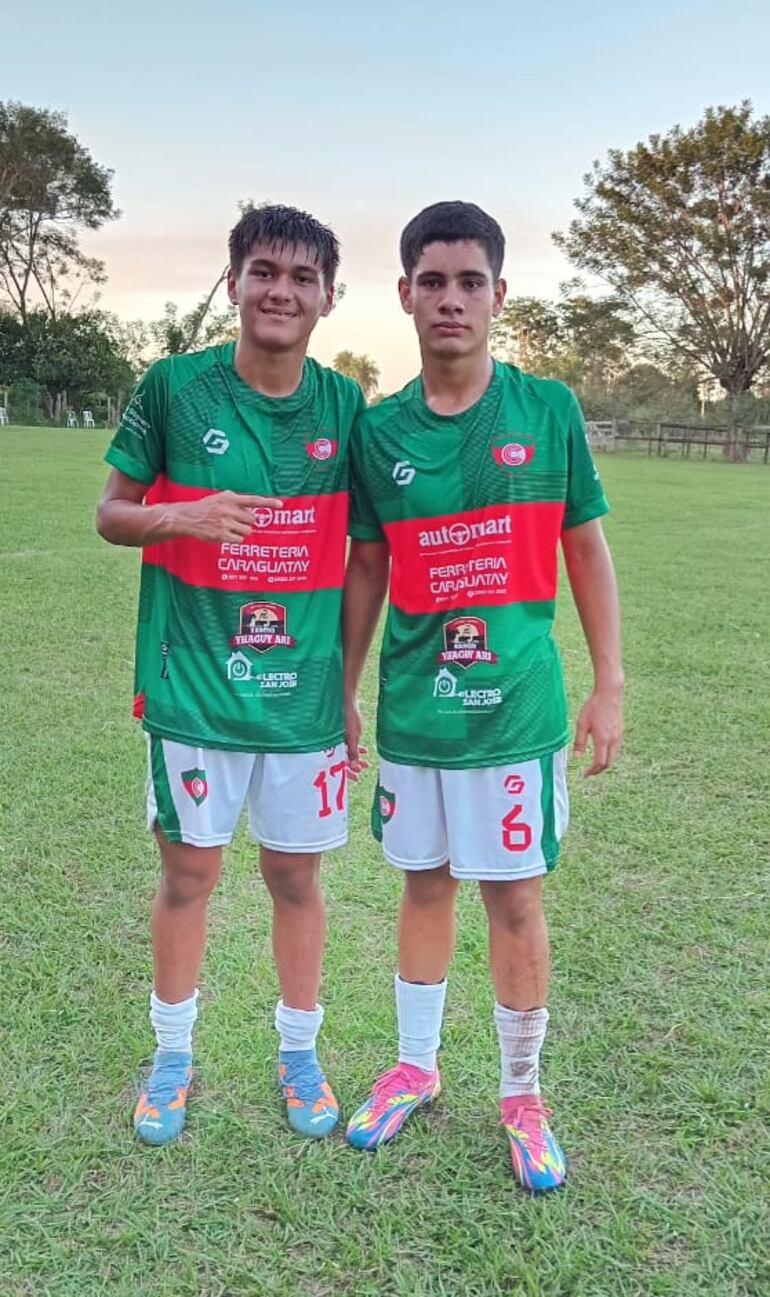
(297, 1028)
(521, 1037)
(420, 1009)
(173, 1023)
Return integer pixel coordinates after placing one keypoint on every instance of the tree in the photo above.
(50, 190)
(72, 356)
(579, 339)
(680, 227)
(174, 333)
(528, 331)
(361, 368)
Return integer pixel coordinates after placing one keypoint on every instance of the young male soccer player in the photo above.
(230, 468)
(468, 479)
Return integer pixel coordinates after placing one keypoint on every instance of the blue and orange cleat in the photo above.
(539, 1164)
(310, 1104)
(161, 1111)
(394, 1096)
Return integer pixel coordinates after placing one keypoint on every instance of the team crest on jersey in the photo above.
(196, 784)
(322, 448)
(513, 454)
(262, 627)
(465, 642)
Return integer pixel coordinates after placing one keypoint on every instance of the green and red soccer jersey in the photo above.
(472, 507)
(238, 645)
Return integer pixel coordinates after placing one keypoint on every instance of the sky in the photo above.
(363, 114)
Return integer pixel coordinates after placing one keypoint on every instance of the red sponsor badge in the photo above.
(322, 448)
(513, 454)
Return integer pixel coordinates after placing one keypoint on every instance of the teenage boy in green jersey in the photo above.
(468, 479)
(230, 468)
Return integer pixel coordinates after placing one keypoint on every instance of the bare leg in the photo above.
(190, 874)
(518, 942)
(426, 930)
(299, 923)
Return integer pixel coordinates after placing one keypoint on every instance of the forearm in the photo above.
(363, 599)
(595, 591)
(125, 522)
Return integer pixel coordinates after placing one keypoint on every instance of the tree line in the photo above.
(676, 230)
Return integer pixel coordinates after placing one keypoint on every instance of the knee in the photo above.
(293, 887)
(189, 874)
(431, 887)
(187, 885)
(515, 907)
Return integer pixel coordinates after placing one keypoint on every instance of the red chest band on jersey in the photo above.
(500, 554)
(291, 550)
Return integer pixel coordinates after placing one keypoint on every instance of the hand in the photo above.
(227, 515)
(601, 718)
(353, 729)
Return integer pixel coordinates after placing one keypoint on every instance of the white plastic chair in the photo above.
(88, 419)
(72, 419)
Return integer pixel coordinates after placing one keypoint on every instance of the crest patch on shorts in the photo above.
(196, 784)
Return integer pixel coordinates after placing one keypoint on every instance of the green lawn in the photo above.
(657, 1062)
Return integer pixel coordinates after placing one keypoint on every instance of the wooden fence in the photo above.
(688, 440)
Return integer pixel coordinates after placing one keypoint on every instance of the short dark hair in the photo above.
(452, 223)
(276, 224)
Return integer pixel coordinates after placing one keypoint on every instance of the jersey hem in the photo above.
(365, 531)
(505, 759)
(227, 745)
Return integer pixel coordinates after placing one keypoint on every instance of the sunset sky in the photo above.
(363, 114)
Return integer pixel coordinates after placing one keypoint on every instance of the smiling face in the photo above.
(281, 295)
(453, 297)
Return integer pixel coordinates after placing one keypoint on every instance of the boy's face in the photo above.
(453, 297)
(280, 294)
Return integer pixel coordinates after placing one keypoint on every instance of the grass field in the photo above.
(657, 1062)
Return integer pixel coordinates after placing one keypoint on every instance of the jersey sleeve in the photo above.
(138, 447)
(585, 495)
(364, 523)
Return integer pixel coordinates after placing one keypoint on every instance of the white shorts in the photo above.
(297, 801)
(495, 823)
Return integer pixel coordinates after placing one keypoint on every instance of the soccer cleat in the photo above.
(393, 1097)
(310, 1104)
(160, 1113)
(538, 1163)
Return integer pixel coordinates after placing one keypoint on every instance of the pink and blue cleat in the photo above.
(161, 1110)
(310, 1104)
(539, 1164)
(394, 1096)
